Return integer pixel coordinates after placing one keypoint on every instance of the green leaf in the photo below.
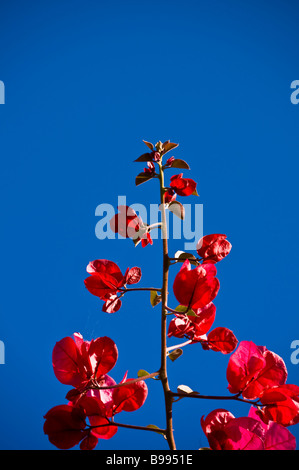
(143, 177)
(153, 426)
(191, 313)
(174, 355)
(182, 309)
(178, 163)
(177, 208)
(182, 256)
(142, 373)
(155, 298)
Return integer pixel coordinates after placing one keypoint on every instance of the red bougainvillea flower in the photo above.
(89, 442)
(65, 426)
(129, 225)
(77, 362)
(154, 156)
(203, 319)
(221, 339)
(195, 288)
(146, 239)
(195, 327)
(129, 397)
(150, 168)
(277, 437)
(104, 395)
(252, 369)
(213, 248)
(169, 162)
(225, 432)
(96, 412)
(169, 196)
(180, 327)
(121, 398)
(182, 186)
(107, 280)
(282, 404)
(126, 222)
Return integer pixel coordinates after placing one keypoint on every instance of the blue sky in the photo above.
(85, 83)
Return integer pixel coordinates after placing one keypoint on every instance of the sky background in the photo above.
(85, 84)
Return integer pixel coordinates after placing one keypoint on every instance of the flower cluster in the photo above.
(182, 186)
(106, 281)
(255, 372)
(126, 222)
(129, 225)
(255, 375)
(213, 248)
(96, 397)
(195, 289)
(196, 323)
(225, 432)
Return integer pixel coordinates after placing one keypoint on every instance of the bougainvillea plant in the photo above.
(255, 375)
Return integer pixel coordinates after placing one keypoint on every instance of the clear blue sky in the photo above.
(85, 83)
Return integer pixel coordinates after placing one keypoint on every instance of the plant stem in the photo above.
(171, 348)
(158, 289)
(215, 397)
(164, 294)
(130, 426)
(129, 382)
(157, 225)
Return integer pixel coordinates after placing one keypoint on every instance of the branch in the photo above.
(179, 345)
(130, 426)
(157, 225)
(216, 397)
(141, 288)
(123, 384)
(164, 295)
(182, 260)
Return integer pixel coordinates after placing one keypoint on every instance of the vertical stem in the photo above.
(164, 294)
